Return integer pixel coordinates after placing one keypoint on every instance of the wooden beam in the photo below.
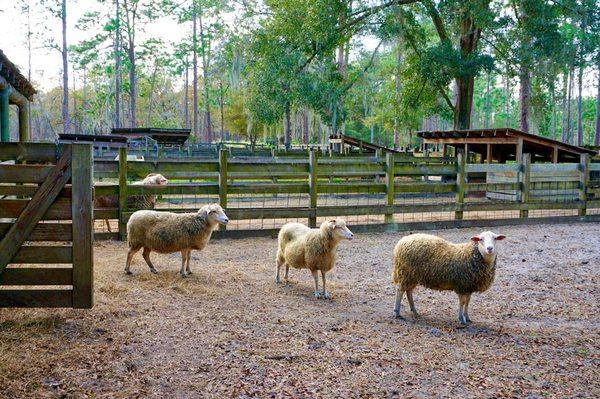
(519, 150)
(4, 115)
(24, 122)
(555, 154)
(473, 140)
(35, 209)
(489, 154)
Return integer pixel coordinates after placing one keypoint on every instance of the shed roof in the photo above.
(504, 143)
(161, 135)
(15, 78)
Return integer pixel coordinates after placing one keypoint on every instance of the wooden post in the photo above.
(519, 151)
(525, 182)
(223, 181)
(312, 185)
(24, 122)
(389, 184)
(555, 154)
(461, 171)
(82, 225)
(489, 154)
(584, 178)
(122, 192)
(4, 115)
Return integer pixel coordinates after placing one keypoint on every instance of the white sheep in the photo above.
(430, 261)
(304, 248)
(167, 232)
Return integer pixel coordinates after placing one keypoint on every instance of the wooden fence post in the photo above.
(223, 181)
(584, 178)
(82, 225)
(525, 183)
(312, 186)
(461, 181)
(389, 184)
(122, 192)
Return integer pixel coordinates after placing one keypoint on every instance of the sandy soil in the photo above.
(229, 331)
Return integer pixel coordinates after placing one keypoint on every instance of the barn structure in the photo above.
(505, 144)
(15, 89)
(163, 136)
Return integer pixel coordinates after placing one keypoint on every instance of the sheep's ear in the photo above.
(500, 237)
(333, 222)
(476, 238)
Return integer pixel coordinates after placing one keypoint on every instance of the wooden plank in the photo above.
(544, 168)
(122, 191)
(430, 187)
(584, 180)
(106, 213)
(24, 173)
(35, 209)
(38, 152)
(389, 184)
(268, 213)
(313, 180)
(472, 140)
(267, 188)
(36, 298)
(266, 169)
(44, 231)
(525, 182)
(174, 189)
(355, 187)
(43, 254)
(492, 186)
(174, 169)
(37, 276)
(461, 167)
(59, 210)
(83, 230)
(420, 170)
(104, 189)
(223, 171)
(28, 190)
(496, 167)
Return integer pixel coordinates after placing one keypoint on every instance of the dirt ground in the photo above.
(229, 331)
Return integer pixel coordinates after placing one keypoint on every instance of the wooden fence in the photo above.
(46, 234)
(395, 192)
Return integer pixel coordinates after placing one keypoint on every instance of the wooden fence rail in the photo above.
(441, 185)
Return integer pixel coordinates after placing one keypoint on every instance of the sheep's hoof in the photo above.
(398, 316)
(277, 280)
(462, 322)
(184, 275)
(326, 295)
(128, 272)
(154, 271)
(317, 295)
(189, 272)
(468, 321)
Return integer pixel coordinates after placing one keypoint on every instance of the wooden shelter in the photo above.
(14, 89)
(362, 145)
(505, 144)
(96, 140)
(162, 136)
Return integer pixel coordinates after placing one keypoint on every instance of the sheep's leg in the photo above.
(466, 312)
(325, 292)
(107, 225)
(130, 254)
(411, 303)
(187, 262)
(279, 263)
(461, 304)
(287, 272)
(399, 295)
(184, 255)
(315, 275)
(146, 255)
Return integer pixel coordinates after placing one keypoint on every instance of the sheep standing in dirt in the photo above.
(304, 248)
(167, 232)
(430, 261)
(134, 201)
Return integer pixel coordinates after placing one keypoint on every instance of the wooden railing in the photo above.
(438, 186)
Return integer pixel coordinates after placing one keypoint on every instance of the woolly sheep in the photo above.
(167, 232)
(304, 248)
(135, 201)
(430, 261)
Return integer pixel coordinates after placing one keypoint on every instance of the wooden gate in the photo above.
(46, 257)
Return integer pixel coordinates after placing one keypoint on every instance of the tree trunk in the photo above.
(222, 106)
(486, 120)
(507, 97)
(579, 105)
(205, 66)
(196, 131)
(564, 133)
(305, 127)
(186, 96)
(524, 98)
(553, 127)
(287, 128)
(464, 103)
(569, 96)
(397, 94)
(65, 104)
(597, 136)
(117, 116)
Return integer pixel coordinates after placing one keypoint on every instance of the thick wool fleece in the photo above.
(167, 232)
(423, 259)
(304, 248)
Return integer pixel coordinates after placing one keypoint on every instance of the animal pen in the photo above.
(395, 192)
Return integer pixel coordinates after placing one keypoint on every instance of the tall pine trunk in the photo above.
(569, 96)
(186, 96)
(287, 134)
(464, 103)
(397, 94)
(597, 135)
(565, 130)
(486, 120)
(524, 98)
(579, 106)
(65, 103)
(507, 97)
(205, 73)
(305, 127)
(196, 131)
(117, 116)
